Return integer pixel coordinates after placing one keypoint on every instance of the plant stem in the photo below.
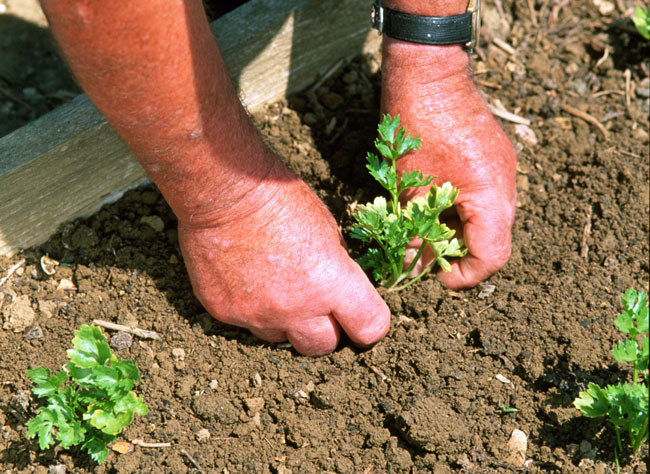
(406, 272)
(395, 195)
(618, 440)
(413, 280)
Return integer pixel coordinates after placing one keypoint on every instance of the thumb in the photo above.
(486, 230)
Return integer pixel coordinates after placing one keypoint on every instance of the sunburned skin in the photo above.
(155, 72)
(431, 89)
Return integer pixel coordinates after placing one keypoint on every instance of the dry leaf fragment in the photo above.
(502, 378)
(517, 446)
(604, 7)
(122, 447)
(526, 134)
(49, 265)
(66, 285)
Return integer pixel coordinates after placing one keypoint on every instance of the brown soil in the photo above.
(427, 397)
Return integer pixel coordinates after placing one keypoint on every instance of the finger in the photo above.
(450, 218)
(269, 335)
(487, 235)
(361, 312)
(315, 336)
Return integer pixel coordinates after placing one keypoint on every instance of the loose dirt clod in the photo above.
(18, 314)
(120, 341)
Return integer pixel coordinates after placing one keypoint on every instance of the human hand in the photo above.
(275, 264)
(462, 143)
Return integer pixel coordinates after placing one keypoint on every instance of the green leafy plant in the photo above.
(641, 20)
(96, 404)
(392, 227)
(626, 404)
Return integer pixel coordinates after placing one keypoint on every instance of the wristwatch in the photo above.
(432, 30)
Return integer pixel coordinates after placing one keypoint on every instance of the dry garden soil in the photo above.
(430, 396)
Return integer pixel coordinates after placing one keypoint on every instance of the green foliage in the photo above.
(641, 20)
(96, 404)
(626, 404)
(389, 226)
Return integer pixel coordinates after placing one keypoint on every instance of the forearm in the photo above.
(153, 69)
(409, 68)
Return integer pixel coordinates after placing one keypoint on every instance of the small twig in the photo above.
(144, 444)
(584, 248)
(143, 333)
(339, 131)
(485, 309)
(509, 116)
(11, 271)
(493, 85)
(604, 57)
(499, 6)
(627, 153)
(13, 97)
(193, 461)
(628, 75)
(504, 46)
(607, 92)
(586, 117)
(382, 376)
(533, 13)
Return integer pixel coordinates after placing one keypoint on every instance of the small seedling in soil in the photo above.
(626, 404)
(390, 226)
(506, 409)
(641, 20)
(90, 401)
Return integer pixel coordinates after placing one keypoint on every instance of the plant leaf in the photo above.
(593, 402)
(641, 21)
(110, 423)
(626, 351)
(41, 426)
(90, 347)
(46, 383)
(97, 448)
(382, 172)
(406, 143)
(387, 128)
(414, 179)
(70, 434)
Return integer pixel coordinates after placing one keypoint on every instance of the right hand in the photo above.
(275, 264)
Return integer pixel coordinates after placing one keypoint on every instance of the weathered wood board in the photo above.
(70, 162)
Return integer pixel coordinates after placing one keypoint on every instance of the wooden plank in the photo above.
(70, 162)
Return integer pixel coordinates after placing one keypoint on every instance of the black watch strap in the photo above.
(431, 30)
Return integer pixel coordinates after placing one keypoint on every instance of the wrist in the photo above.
(424, 63)
(428, 7)
(219, 183)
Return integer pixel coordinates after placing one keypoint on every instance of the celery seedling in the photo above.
(641, 20)
(97, 403)
(625, 404)
(391, 227)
